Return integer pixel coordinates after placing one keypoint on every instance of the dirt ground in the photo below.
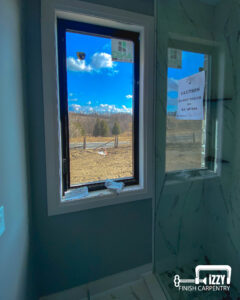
(183, 151)
(183, 156)
(99, 164)
(184, 144)
(88, 165)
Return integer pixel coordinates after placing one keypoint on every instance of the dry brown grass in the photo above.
(88, 165)
(183, 157)
(122, 137)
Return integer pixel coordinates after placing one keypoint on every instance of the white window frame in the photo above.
(105, 16)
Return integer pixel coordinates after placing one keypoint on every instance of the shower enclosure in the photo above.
(197, 209)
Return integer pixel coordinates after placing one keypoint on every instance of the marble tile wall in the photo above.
(199, 217)
(223, 244)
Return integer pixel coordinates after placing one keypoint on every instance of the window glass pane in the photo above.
(186, 110)
(100, 109)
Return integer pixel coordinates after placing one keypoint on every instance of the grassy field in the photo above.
(184, 144)
(100, 164)
(102, 139)
(100, 160)
(183, 156)
(183, 151)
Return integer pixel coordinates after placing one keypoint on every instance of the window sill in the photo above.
(71, 202)
(176, 177)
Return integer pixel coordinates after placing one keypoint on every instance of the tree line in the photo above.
(101, 128)
(81, 125)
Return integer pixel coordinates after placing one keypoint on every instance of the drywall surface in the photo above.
(139, 6)
(15, 264)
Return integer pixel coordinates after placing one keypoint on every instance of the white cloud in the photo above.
(73, 99)
(76, 107)
(101, 109)
(129, 96)
(104, 105)
(172, 85)
(101, 60)
(106, 108)
(89, 102)
(77, 65)
(127, 110)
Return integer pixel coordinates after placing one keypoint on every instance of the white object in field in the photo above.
(113, 185)
(2, 220)
(190, 97)
(174, 58)
(104, 153)
(122, 50)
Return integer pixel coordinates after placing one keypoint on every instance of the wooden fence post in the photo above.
(116, 142)
(194, 138)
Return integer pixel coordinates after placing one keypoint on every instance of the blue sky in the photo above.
(97, 83)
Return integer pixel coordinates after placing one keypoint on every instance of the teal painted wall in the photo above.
(140, 6)
(75, 248)
(16, 277)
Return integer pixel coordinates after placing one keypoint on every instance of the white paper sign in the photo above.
(190, 97)
(174, 58)
(122, 50)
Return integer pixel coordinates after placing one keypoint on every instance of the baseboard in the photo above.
(101, 285)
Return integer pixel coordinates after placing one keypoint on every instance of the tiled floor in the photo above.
(137, 290)
(134, 284)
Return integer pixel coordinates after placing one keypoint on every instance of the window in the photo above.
(99, 104)
(188, 109)
(98, 79)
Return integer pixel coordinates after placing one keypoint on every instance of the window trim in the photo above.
(103, 16)
(64, 26)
